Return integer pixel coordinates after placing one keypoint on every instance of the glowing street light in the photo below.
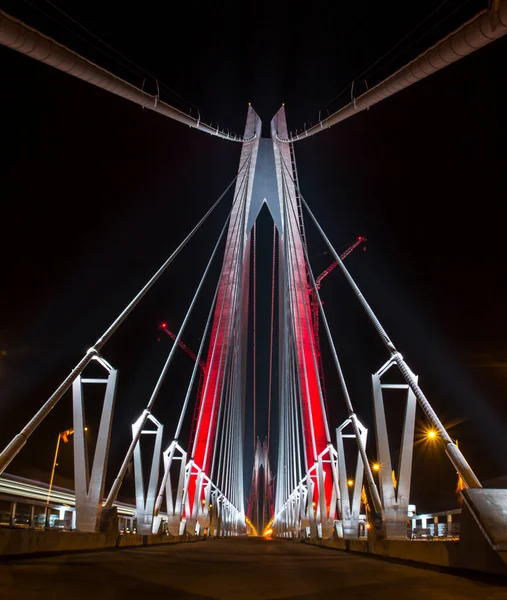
(350, 482)
(64, 436)
(375, 466)
(431, 434)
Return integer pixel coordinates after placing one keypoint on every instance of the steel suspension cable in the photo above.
(222, 420)
(348, 402)
(387, 53)
(144, 417)
(254, 332)
(17, 443)
(282, 402)
(298, 416)
(235, 440)
(231, 321)
(229, 390)
(271, 335)
(226, 436)
(289, 227)
(199, 477)
(293, 412)
(476, 33)
(229, 250)
(227, 442)
(294, 311)
(453, 452)
(196, 367)
(141, 72)
(228, 336)
(289, 257)
(235, 379)
(289, 378)
(303, 287)
(227, 427)
(25, 39)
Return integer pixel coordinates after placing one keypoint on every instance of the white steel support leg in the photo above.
(326, 518)
(394, 501)
(174, 505)
(89, 487)
(192, 521)
(145, 500)
(350, 510)
(203, 518)
(335, 507)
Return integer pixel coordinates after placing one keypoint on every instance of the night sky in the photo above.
(97, 192)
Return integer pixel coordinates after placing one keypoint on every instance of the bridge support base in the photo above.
(109, 521)
(484, 526)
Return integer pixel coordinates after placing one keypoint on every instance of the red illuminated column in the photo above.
(233, 288)
(314, 417)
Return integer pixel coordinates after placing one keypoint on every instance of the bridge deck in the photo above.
(231, 569)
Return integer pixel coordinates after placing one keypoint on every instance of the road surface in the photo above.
(232, 569)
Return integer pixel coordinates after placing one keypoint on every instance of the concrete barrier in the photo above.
(153, 540)
(130, 540)
(452, 555)
(29, 541)
(473, 552)
(26, 542)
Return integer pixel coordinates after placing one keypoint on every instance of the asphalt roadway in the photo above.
(231, 569)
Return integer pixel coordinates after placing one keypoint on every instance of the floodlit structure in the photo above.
(202, 487)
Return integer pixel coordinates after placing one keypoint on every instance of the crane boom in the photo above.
(315, 307)
(360, 240)
(183, 346)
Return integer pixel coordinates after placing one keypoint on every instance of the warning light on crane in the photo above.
(360, 240)
(183, 346)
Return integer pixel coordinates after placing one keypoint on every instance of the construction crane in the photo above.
(315, 305)
(202, 376)
(360, 240)
(183, 346)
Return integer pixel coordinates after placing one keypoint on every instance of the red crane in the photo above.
(202, 377)
(315, 306)
(183, 346)
(360, 240)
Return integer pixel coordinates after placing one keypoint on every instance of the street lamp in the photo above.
(64, 435)
(350, 482)
(375, 466)
(431, 434)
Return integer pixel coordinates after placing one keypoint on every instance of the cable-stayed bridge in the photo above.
(196, 487)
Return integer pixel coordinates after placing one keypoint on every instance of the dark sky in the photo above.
(96, 192)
